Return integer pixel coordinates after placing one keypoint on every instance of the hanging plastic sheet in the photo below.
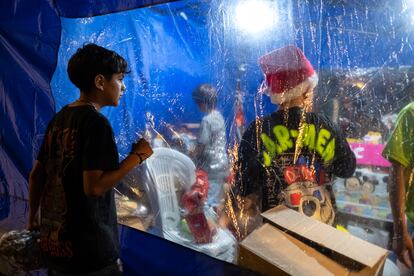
(28, 47)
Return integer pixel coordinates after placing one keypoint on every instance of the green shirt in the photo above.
(400, 148)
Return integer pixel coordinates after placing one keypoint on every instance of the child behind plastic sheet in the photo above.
(210, 153)
(289, 156)
(71, 183)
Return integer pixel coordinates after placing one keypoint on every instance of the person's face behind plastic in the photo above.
(113, 89)
(201, 106)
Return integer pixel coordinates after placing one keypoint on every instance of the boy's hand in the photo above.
(142, 149)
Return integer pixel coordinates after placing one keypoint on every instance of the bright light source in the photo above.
(255, 16)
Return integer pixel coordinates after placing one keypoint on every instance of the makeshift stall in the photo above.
(361, 52)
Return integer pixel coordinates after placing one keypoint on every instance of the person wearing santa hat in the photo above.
(290, 156)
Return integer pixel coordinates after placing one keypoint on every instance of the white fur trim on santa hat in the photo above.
(297, 91)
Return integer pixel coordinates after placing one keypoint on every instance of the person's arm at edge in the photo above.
(397, 201)
(36, 186)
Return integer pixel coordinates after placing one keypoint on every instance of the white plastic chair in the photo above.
(166, 168)
(167, 172)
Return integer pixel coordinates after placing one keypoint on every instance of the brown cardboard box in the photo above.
(292, 243)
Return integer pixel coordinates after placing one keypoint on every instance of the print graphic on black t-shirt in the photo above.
(78, 232)
(301, 186)
(60, 145)
(289, 157)
(321, 142)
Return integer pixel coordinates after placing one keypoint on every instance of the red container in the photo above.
(199, 227)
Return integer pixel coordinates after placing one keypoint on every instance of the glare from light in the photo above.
(255, 16)
(359, 84)
(408, 6)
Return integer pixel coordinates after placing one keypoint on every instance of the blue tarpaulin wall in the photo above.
(171, 47)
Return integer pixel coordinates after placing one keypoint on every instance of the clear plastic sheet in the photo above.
(173, 48)
(361, 53)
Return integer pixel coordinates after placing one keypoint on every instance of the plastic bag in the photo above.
(22, 249)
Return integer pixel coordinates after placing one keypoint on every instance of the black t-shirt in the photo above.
(270, 156)
(78, 233)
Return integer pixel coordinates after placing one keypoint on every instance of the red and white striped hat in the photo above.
(288, 74)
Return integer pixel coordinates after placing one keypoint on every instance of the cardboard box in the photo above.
(290, 243)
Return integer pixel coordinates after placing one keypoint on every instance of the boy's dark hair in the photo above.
(205, 93)
(92, 60)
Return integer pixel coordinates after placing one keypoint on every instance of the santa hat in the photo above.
(288, 74)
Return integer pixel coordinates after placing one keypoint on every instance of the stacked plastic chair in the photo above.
(168, 173)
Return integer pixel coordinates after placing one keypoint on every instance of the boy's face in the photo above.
(114, 89)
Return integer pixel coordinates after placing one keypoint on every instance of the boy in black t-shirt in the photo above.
(289, 156)
(77, 167)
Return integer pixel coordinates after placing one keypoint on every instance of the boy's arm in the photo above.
(36, 186)
(98, 182)
(404, 245)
